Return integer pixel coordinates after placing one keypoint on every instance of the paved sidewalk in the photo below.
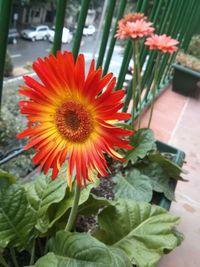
(176, 120)
(20, 71)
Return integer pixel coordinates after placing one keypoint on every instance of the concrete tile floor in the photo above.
(176, 121)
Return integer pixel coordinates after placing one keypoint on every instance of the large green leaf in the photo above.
(141, 230)
(171, 168)
(160, 180)
(142, 141)
(17, 218)
(58, 210)
(6, 179)
(134, 185)
(93, 204)
(42, 194)
(82, 250)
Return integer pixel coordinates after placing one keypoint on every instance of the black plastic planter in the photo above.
(178, 158)
(185, 80)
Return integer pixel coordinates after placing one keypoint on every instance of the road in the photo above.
(25, 52)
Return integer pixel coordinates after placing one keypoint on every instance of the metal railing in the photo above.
(178, 18)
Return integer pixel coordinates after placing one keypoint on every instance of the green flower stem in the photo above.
(154, 85)
(137, 53)
(74, 209)
(32, 254)
(13, 255)
(3, 262)
(134, 83)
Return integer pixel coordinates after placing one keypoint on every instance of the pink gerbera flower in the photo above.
(132, 17)
(138, 29)
(164, 43)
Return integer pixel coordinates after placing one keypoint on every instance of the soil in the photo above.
(89, 223)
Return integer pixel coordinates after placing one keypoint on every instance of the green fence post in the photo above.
(113, 38)
(5, 12)
(189, 29)
(171, 29)
(60, 18)
(141, 6)
(167, 17)
(144, 6)
(153, 18)
(80, 26)
(125, 63)
(106, 31)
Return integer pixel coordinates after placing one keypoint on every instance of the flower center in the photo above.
(74, 122)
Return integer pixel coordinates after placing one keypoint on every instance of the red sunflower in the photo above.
(69, 116)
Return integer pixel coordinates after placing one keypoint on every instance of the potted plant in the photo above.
(65, 217)
(187, 70)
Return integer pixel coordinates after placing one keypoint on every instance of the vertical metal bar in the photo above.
(176, 34)
(188, 30)
(194, 28)
(100, 26)
(158, 11)
(128, 97)
(167, 17)
(5, 12)
(154, 16)
(162, 25)
(124, 66)
(178, 30)
(106, 31)
(172, 26)
(148, 68)
(141, 6)
(177, 18)
(187, 13)
(170, 14)
(60, 18)
(113, 39)
(144, 6)
(80, 26)
(155, 5)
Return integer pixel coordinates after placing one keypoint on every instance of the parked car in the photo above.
(66, 35)
(13, 34)
(89, 30)
(34, 33)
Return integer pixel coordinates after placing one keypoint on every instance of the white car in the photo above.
(34, 33)
(66, 35)
(89, 30)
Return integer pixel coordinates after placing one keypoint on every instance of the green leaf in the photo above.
(49, 260)
(82, 250)
(141, 230)
(142, 141)
(172, 169)
(93, 204)
(42, 194)
(17, 218)
(179, 235)
(58, 210)
(160, 180)
(6, 179)
(134, 185)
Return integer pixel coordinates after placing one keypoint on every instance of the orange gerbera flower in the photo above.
(163, 43)
(69, 117)
(138, 29)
